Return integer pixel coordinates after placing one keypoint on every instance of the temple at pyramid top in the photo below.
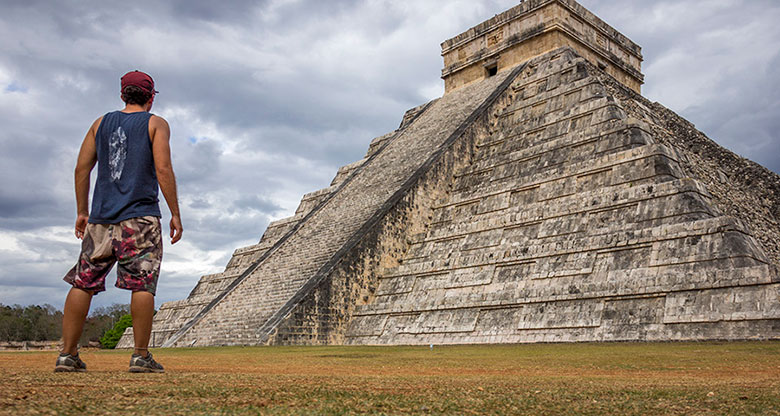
(533, 28)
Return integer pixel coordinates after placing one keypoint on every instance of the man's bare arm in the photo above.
(160, 134)
(84, 164)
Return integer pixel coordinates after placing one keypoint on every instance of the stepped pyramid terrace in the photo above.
(542, 198)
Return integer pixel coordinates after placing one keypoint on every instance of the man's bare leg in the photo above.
(73, 317)
(142, 309)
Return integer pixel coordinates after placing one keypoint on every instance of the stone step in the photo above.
(277, 229)
(240, 261)
(594, 141)
(312, 199)
(437, 293)
(377, 143)
(673, 315)
(633, 206)
(347, 170)
(564, 73)
(559, 102)
(587, 110)
(597, 240)
(628, 166)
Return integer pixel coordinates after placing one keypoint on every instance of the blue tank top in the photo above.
(126, 184)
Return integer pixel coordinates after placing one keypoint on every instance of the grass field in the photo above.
(624, 379)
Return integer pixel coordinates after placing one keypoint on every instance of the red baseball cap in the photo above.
(140, 80)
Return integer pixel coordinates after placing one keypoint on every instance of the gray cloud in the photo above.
(715, 63)
(267, 99)
(752, 131)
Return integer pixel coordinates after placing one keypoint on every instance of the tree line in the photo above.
(44, 322)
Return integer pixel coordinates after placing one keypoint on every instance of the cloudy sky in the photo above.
(266, 99)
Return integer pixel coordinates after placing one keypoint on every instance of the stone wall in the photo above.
(535, 27)
(739, 187)
(574, 222)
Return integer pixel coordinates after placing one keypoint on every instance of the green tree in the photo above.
(10, 322)
(102, 319)
(111, 337)
(30, 323)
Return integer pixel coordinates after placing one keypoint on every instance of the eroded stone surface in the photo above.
(549, 203)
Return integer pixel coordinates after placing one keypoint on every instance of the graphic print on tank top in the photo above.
(117, 153)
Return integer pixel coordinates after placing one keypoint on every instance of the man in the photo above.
(131, 149)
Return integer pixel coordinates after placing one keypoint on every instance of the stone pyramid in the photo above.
(541, 199)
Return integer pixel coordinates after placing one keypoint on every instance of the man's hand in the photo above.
(81, 225)
(176, 229)
(160, 135)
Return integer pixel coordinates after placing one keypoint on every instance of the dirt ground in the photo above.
(630, 378)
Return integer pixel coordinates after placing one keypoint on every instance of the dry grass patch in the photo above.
(658, 378)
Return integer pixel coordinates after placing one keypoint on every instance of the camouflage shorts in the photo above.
(136, 244)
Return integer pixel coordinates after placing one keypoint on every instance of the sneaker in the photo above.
(140, 364)
(67, 363)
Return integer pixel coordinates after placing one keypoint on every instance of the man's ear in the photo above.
(149, 104)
